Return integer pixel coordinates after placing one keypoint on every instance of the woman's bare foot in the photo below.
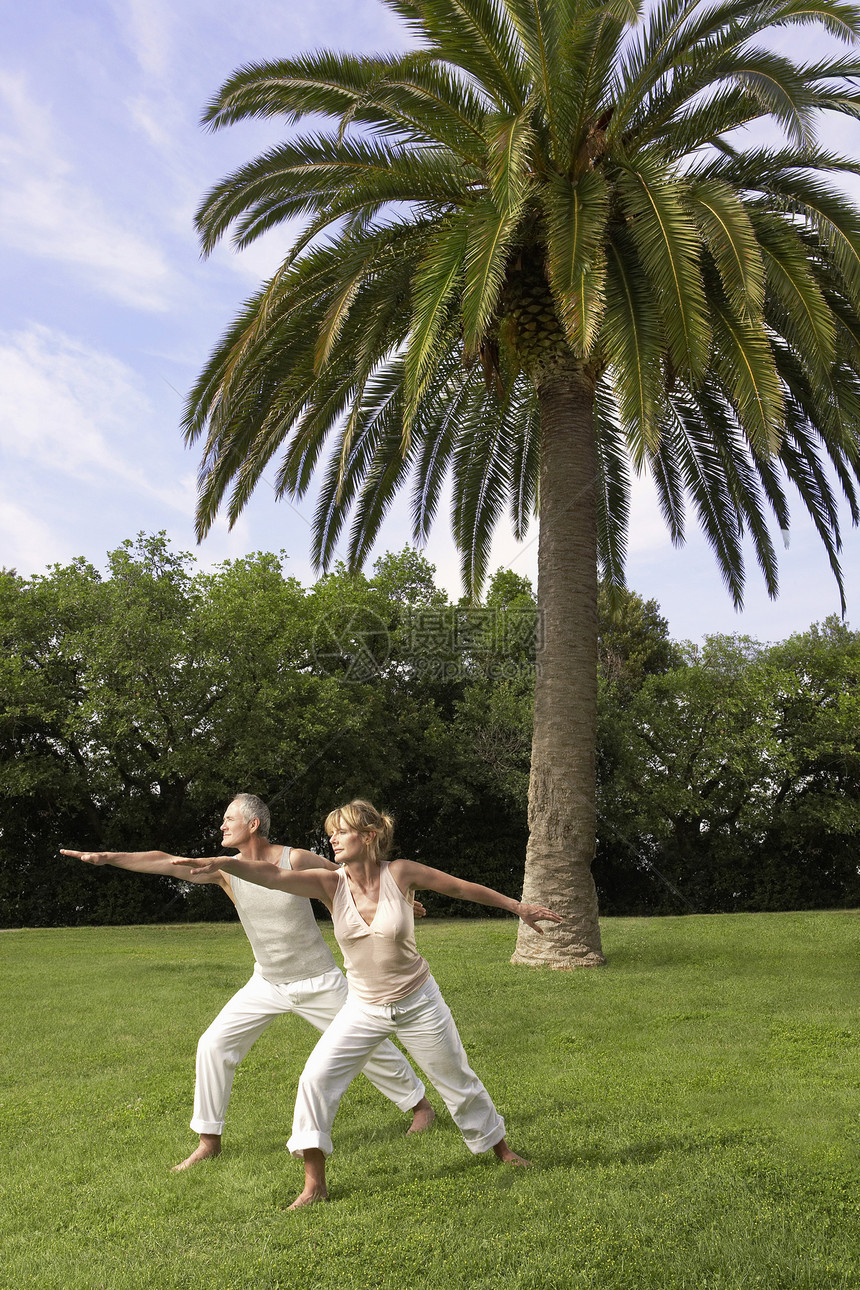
(314, 1188)
(509, 1157)
(423, 1116)
(208, 1147)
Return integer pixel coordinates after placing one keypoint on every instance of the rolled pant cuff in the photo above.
(302, 1142)
(207, 1126)
(406, 1104)
(477, 1145)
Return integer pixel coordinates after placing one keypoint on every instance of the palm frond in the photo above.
(678, 35)
(668, 244)
(426, 100)
(439, 420)
(575, 216)
(743, 361)
(731, 240)
(838, 19)
(613, 488)
(321, 82)
(665, 471)
(834, 217)
(781, 90)
(475, 34)
(698, 127)
(744, 483)
(757, 169)
(590, 53)
(301, 177)
(801, 463)
(382, 482)
(525, 457)
(540, 26)
(797, 306)
(481, 485)
(631, 345)
(374, 419)
(690, 439)
(490, 237)
(438, 276)
(510, 140)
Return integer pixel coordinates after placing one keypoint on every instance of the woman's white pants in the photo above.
(240, 1022)
(424, 1025)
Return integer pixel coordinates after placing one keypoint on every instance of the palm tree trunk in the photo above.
(562, 812)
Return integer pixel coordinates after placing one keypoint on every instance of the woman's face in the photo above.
(346, 843)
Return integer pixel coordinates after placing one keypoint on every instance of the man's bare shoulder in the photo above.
(301, 859)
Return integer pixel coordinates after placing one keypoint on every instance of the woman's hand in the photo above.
(202, 866)
(532, 914)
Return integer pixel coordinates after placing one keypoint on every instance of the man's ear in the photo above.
(254, 825)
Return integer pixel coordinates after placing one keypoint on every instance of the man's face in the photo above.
(234, 830)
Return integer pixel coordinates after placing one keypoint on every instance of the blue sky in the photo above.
(107, 311)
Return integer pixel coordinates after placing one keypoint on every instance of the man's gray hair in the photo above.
(254, 808)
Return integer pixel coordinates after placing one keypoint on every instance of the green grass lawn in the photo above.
(692, 1110)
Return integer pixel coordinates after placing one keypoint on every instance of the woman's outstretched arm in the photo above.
(409, 874)
(317, 883)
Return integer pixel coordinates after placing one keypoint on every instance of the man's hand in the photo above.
(158, 864)
(91, 857)
(418, 909)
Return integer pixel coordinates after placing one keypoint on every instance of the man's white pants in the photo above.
(241, 1021)
(424, 1025)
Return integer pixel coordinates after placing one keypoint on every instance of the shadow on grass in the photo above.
(348, 1189)
(646, 1151)
(355, 1188)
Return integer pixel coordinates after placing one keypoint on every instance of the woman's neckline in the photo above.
(367, 923)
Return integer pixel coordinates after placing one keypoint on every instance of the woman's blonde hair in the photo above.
(363, 817)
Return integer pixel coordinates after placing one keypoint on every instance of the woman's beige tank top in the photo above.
(381, 959)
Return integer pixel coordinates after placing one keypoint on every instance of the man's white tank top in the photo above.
(283, 932)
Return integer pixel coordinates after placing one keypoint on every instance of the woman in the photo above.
(391, 991)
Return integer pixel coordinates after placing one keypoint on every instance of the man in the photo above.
(294, 971)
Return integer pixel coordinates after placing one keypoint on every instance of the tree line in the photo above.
(136, 702)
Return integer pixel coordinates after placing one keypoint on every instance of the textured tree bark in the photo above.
(562, 812)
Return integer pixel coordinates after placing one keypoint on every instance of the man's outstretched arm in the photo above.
(156, 862)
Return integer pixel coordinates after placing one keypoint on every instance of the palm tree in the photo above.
(541, 253)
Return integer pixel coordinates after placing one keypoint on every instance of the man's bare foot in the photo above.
(208, 1147)
(308, 1198)
(423, 1116)
(509, 1157)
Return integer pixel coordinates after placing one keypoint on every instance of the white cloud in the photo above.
(48, 211)
(149, 26)
(27, 541)
(154, 119)
(74, 411)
